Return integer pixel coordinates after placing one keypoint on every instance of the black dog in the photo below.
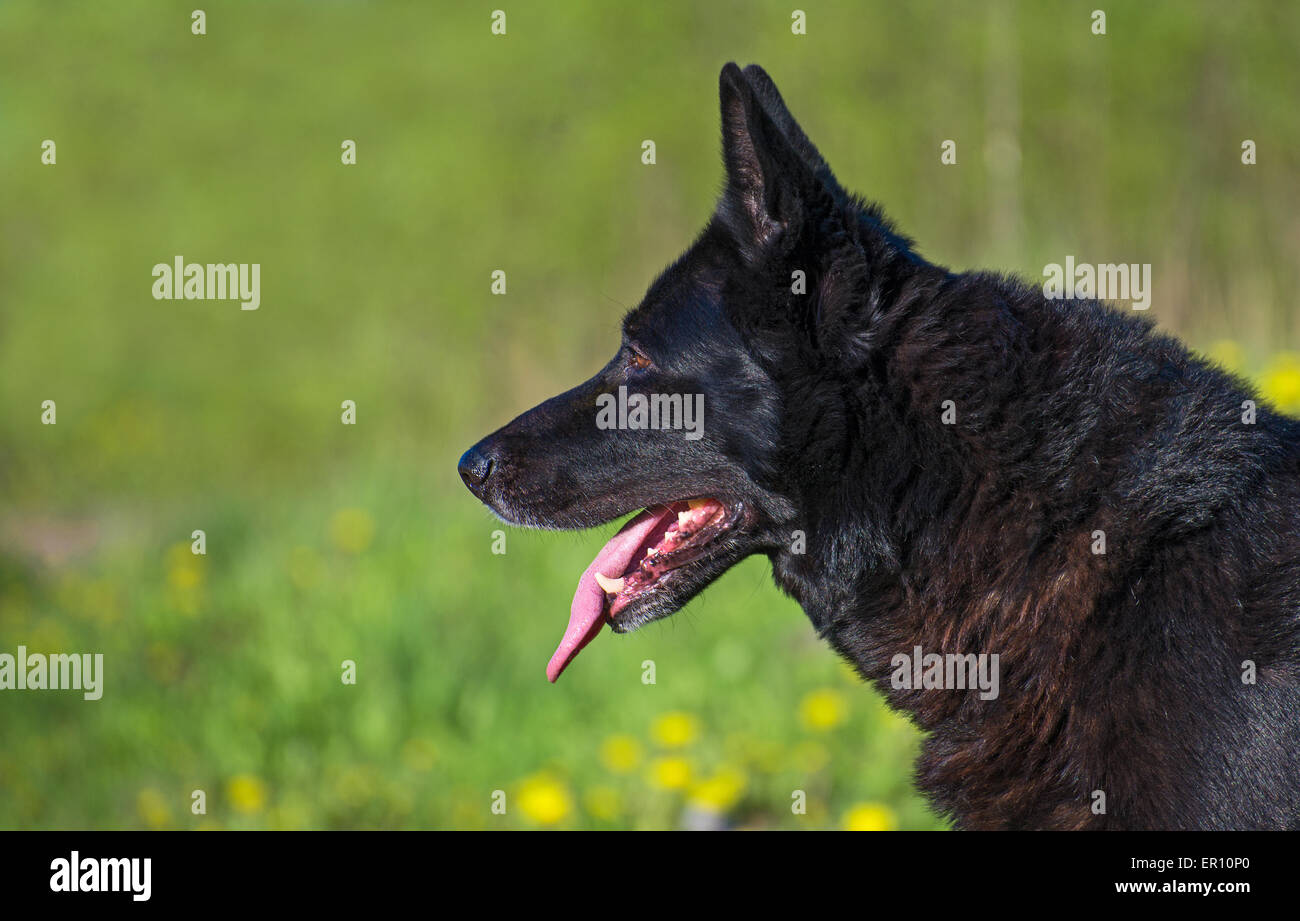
(942, 468)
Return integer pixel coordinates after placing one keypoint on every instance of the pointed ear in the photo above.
(770, 189)
(770, 98)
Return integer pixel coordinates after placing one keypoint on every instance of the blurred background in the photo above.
(520, 152)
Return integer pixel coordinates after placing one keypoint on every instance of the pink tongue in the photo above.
(586, 615)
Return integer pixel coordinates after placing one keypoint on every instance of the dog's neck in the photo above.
(957, 551)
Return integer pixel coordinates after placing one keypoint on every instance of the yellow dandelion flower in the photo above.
(1227, 354)
(670, 773)
(721, 791)
(247, 794)
(352, 530)
(675, 729)
(823, 710)
(1281, 382)
(870, 817)
(603, 803)
(620, 753)
(184, 567)
(153, 808)
(544, 799)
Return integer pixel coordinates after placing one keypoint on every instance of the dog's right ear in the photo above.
(770, 189)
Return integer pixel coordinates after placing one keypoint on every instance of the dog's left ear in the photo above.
(770, 190)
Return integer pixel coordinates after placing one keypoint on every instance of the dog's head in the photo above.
(719, 383)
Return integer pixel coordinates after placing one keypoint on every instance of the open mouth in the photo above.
(636, 565)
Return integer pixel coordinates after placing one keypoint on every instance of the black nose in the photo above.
(475, 466)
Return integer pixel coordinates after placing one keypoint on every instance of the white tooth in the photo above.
(613, 586)
(683, 519)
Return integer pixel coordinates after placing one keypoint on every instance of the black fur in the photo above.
(1120, 672)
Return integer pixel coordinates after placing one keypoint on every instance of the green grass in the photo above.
(229, 664)
(519, 153)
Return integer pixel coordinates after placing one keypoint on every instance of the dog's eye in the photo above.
(636, 361)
